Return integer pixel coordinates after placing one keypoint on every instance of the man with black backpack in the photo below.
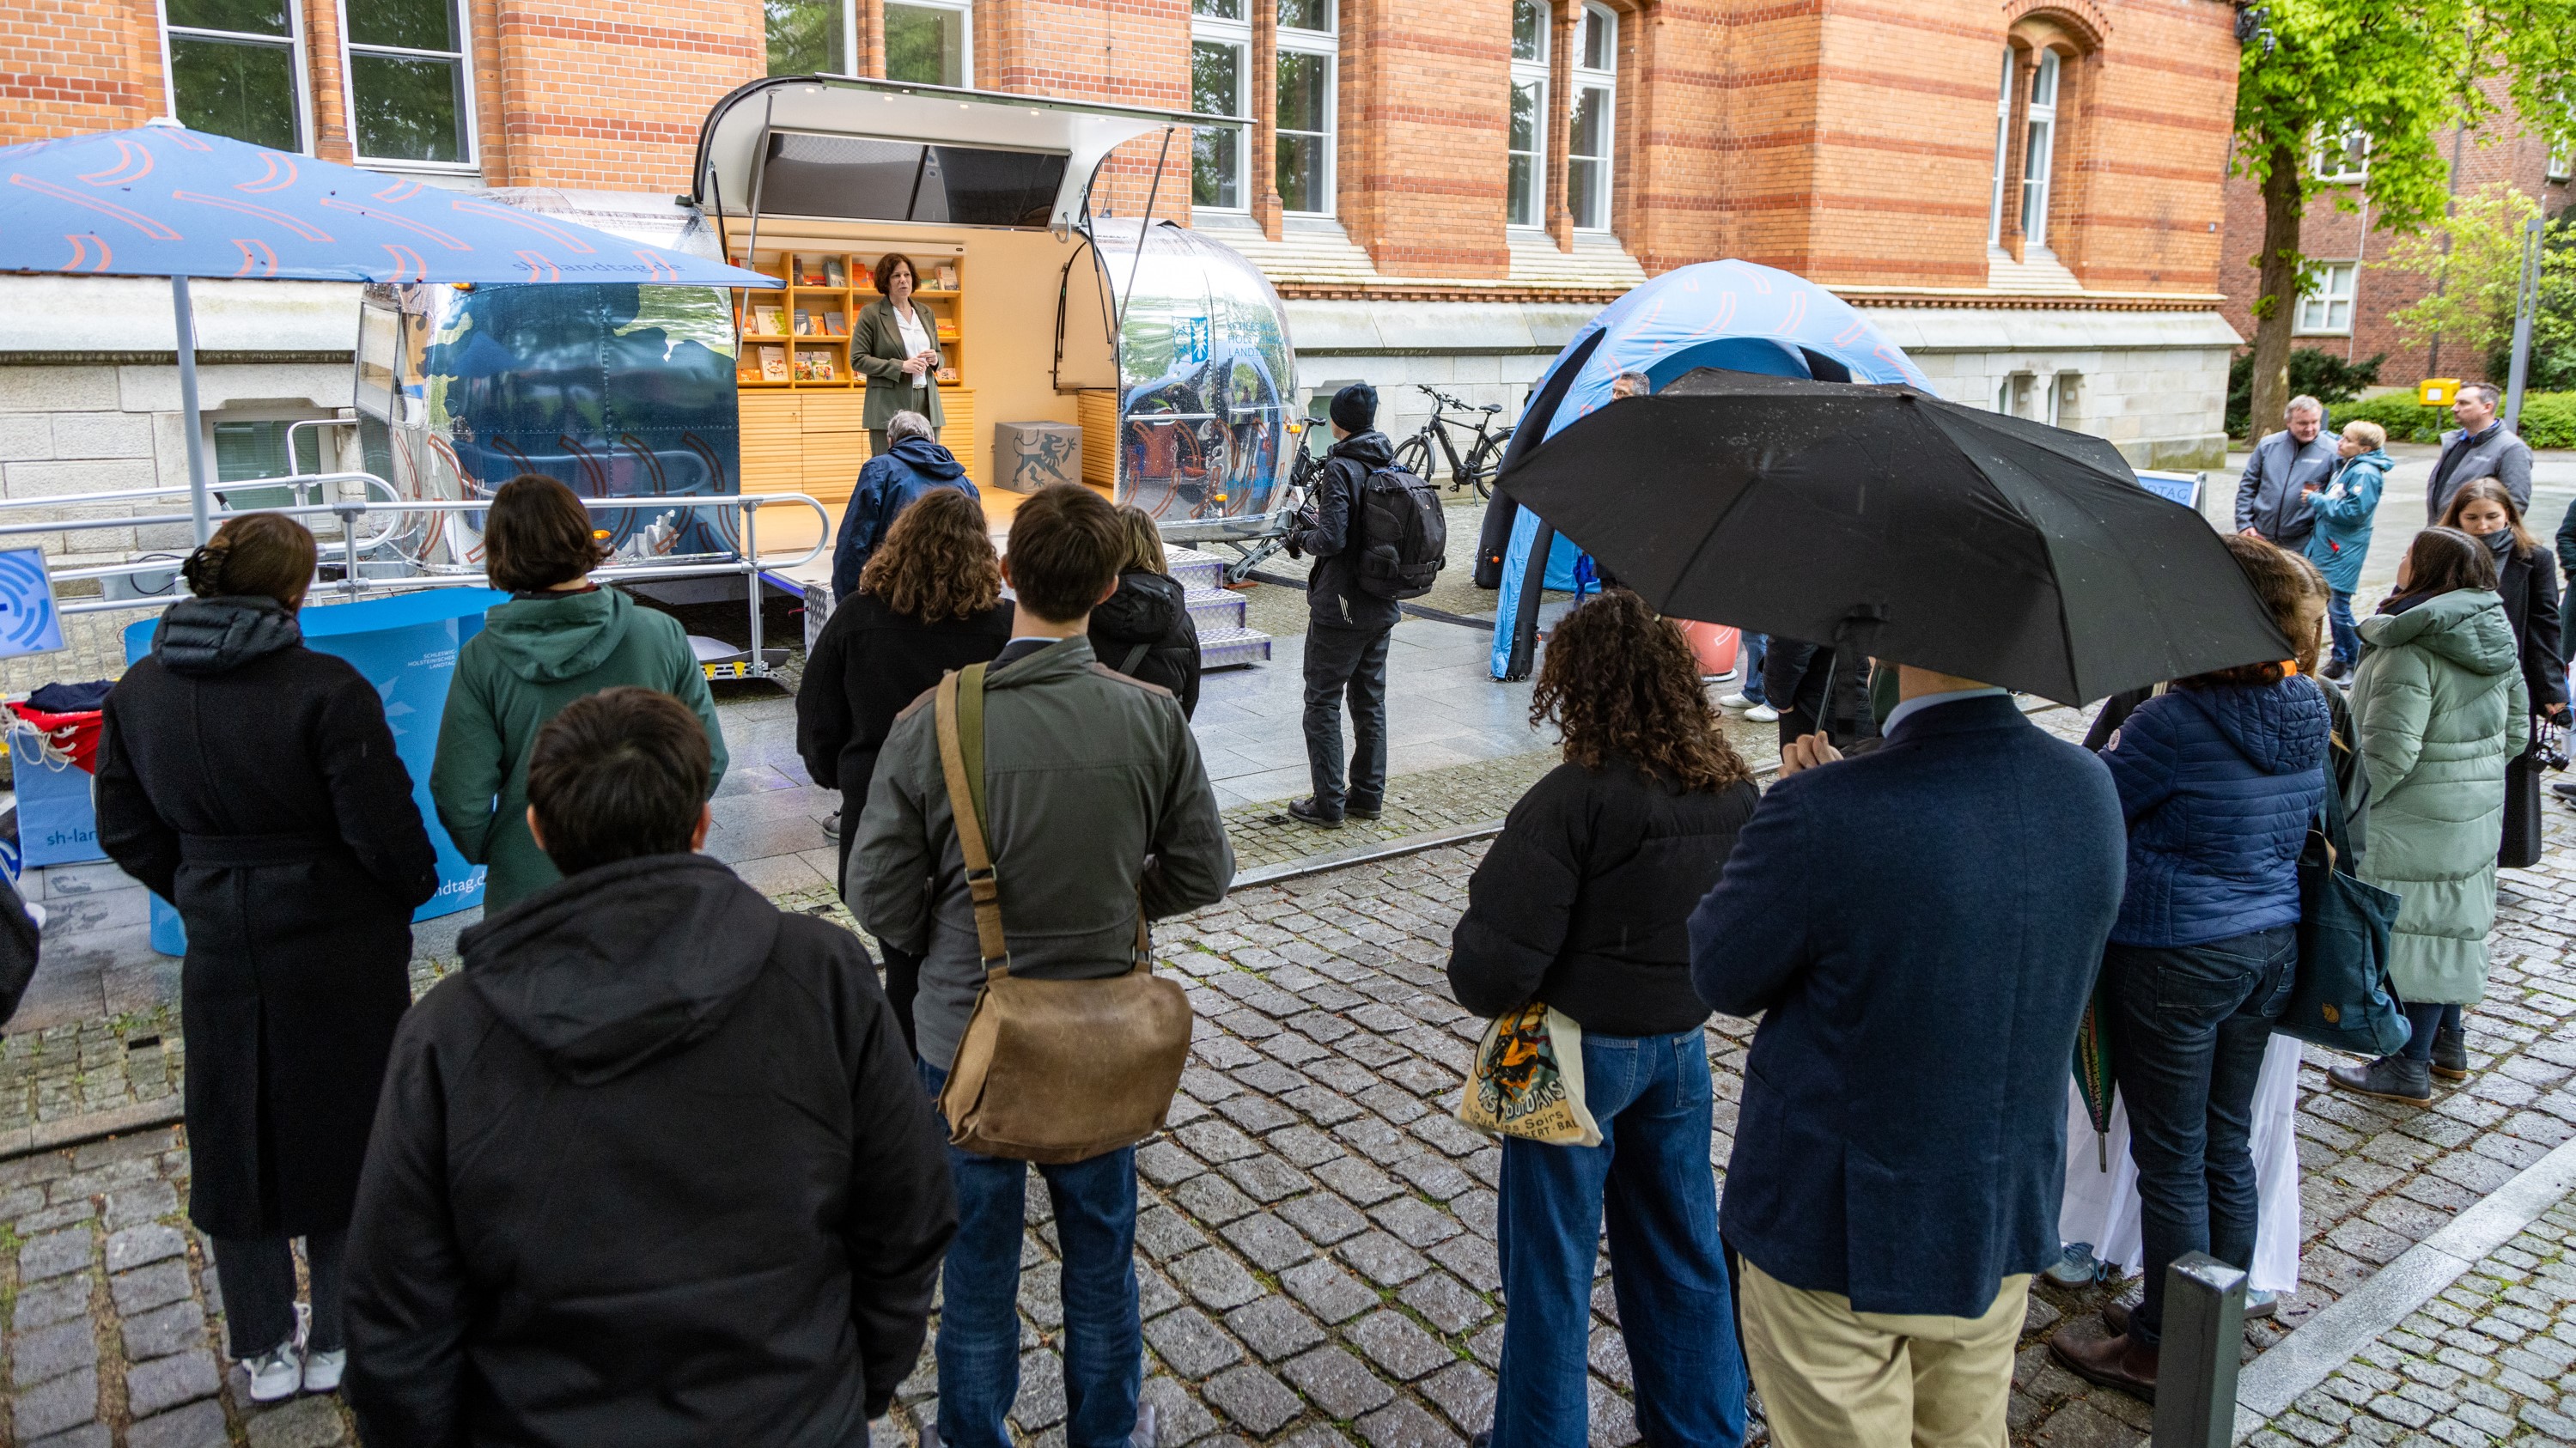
(1378, 536)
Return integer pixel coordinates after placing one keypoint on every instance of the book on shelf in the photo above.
(836, 323)
(948, 331)
(947, 278)
(809, 271)
(947, 376)
(835, 274)
(814, 367)
(773, 364)
(804, 323)
(768, 321)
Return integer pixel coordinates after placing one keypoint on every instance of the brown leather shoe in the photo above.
(2120, 1362)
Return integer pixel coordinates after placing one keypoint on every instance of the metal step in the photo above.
(1219, 612)
(1198, 572)
(1233, 648)
(1217, 609)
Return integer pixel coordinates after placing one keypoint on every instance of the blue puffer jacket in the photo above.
(2218, 786)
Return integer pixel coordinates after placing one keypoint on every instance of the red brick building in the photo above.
(2345, 311)
(2028, 195)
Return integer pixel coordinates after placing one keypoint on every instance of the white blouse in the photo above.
(916, 339)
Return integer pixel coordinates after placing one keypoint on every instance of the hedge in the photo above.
(2548, 418)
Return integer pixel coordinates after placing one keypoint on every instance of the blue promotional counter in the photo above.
(406, 647)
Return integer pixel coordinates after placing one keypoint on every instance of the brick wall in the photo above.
(2334, 231)
(68, 67)
(1850, 140)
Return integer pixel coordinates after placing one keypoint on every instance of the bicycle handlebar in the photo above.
(1445, 400)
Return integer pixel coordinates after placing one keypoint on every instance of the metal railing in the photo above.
(351, 546)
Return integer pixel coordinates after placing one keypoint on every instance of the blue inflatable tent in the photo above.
(1729, 314)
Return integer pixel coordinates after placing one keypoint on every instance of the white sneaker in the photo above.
(1144, 1436)
(276, 1374)
(1763, 714)
(322, 1370)
(1735, 701)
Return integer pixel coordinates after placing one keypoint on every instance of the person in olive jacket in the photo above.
(894, 343)
(559, 638)
(1582, 904)
(252, 782)
(653, 1168)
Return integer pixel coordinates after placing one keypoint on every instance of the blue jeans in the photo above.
(2347, 636)
(1650, 1096)
(2189, 1024)
(979, 1317)
(1748, 665)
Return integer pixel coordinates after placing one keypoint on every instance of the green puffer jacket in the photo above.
(2440, 705)
(533, 657)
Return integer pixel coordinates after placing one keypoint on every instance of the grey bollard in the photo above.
(2203, 1340)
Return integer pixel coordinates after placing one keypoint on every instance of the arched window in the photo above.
(1525, 149)
(2038, 148)
(1596, 85)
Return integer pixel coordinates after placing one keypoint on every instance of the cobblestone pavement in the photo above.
(2490, 1360)
(1317, 1233)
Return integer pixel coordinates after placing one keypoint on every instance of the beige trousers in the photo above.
(1834, 1378)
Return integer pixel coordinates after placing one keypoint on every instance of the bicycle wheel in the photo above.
(1414, 456)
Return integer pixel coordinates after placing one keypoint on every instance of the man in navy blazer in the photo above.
(1919, 928)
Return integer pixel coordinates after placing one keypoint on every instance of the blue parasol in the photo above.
(165, 201)
(1727, 314)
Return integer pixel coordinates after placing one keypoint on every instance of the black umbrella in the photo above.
(1885, 519)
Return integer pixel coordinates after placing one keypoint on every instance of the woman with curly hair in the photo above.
(929, 600)
(1582, 903)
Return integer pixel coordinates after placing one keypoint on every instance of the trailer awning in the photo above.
(873, 150)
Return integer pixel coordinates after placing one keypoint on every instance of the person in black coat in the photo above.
(1795, 679)
(1581, 905)
(1144, 630)
(930, 600)
(654, 1168)
(2527, 580)
(252, 783)
(1919, 929)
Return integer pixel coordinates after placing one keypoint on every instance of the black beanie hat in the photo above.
(1355, 408)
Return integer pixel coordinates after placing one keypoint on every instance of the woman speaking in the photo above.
(896, 344)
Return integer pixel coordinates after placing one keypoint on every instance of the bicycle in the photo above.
(1478, 467)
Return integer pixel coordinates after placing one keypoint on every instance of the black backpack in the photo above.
(1401, 532)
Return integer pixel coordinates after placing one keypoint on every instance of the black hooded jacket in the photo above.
(1150, 612)
(1334, 598)
(654, 1168)
(252, 782)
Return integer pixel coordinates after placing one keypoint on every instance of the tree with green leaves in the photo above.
(2474, 257)
(2399, 77)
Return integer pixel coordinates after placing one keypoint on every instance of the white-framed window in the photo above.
(2343, 158)
(810, 37)
(930, 42)
(236, 68)
(409, 89)
(2562, 162)
(1525, 146)
(1309, 55)
(1220, 62)
(1588, 138)
(2325, 303)
(2003, 150)
(2039, 148)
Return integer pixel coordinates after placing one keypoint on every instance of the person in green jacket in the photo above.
(2344, 511)
(561, 637)
(2440, 705)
